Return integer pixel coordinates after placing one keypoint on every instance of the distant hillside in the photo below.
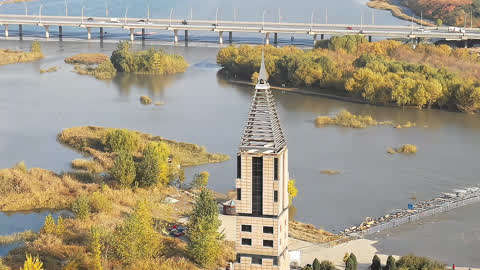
(451, 12)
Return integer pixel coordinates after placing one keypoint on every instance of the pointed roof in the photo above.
(262, 132)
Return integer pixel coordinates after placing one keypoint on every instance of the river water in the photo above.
(203, 109)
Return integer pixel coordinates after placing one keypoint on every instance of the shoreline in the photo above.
(397, 11)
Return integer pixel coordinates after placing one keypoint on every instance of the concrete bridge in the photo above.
(267, 29)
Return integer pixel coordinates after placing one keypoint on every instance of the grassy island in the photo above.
(347, 119)
(384, 72)
(12, 57)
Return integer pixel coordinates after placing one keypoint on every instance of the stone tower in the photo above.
(262, 186)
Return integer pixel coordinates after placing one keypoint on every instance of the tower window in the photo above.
(239, 194)
(275, 169)
(275, 196)
(239, 167)
(246, 228)
(268, 243)
(246, 241)
(257, 186)
(267, 229)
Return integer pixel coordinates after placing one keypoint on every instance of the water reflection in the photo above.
(155, 84)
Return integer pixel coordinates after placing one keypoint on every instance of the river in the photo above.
(203, 109)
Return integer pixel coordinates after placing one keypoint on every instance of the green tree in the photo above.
(316, 264)
(292, 190)
(136, 238)
(122, 59)
(349, 264)
(204, 245)
(200, 180)
(96, 248)
(123, 169)
(439, 22)
(117, 140)
(353, 258)
(376, 263)
(81, 207)
(413, 262)
(154, 169)
(390, 263)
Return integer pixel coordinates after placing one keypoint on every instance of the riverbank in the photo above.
(396, 10)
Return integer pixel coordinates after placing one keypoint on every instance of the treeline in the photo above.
(385, 72)
(451, 12)
(151, 61)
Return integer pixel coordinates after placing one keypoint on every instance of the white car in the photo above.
(114, 20)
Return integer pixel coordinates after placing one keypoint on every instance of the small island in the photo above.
(386, 72)
(13, 57)
(124, 59)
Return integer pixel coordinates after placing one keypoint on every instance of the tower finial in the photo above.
(263, 74)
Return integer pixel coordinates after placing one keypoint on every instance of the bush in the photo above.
(81, 207)
(49, 225)
(316, 264)
(324, 265)
(154, 169)
(32, 263)
(96, 248)
(390, 263)
(349, 264)
(145, 100)
(117, 140)
(105, 71)
(99, 202)
(21, 166)
(376, 263)
(136, 238)
(123, 169)
(407, 149)
(200, 180)
(292, 190)
(413, 262)
(36, 48)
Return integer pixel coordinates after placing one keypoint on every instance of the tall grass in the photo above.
(17, 237)
(87, 58)
(347, 119)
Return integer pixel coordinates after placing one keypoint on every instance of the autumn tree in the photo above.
(154, 168)
(204, 245)
(123, 169)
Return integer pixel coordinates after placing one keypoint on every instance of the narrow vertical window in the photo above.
(275, 169)
(275, 196)
(239, 194)
(257, 186)
(239, 167)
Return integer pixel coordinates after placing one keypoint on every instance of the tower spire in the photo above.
(263, 132)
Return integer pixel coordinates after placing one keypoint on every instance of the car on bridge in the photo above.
(90, 19)
(114, 20)
(349, 28)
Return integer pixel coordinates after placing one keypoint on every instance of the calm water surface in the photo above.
(201, 108)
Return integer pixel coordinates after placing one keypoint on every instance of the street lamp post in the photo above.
(126, 12)
(171, 13)
(311, 20)
(40, 13)
(263, 18)
(66, 8)
(83, 7)
(216, 17)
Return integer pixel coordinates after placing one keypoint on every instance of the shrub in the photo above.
(81, 207)
(390, 263)
(117, 140)
(324, 265)
(316, 264)
(349, 264)
(200, 180)
(354, 260)
(413, 262)
(123, 169)
(407, 149)
(49, 225)
(136, 238)
(21, 166)
(204, 245)
(105, 71)
(32, 263)
(292, 190)
(154, 169)
(376, 263)
(145, 100)
(96, 248)
(99, 202)
(36, 48)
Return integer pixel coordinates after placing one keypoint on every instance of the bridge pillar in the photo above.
(60, 31)
(132, 34)
(275, 38)
(47, 33)
(230, 36)
(186, 36)
(6, 30)
(369, 38)
(220, 37)
(20, 30)
(314, 40)
(143, 33)
(101, 33)
(89, 33)
(322, 36)
(175, 36)
(267, 38)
